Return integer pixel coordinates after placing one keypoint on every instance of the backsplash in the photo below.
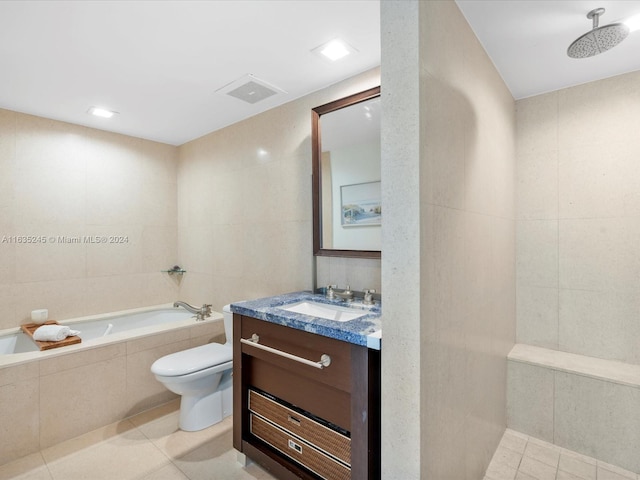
(358, 273)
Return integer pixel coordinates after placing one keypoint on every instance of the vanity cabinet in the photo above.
(302, 422)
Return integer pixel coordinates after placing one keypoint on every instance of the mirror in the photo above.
(347, 212)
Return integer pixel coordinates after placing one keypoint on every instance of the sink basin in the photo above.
(322, 310)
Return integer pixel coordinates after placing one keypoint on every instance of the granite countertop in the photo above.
(365, 330)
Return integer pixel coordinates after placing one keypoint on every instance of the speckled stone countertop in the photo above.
(365, 330)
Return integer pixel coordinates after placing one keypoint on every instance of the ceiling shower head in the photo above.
(599, 39)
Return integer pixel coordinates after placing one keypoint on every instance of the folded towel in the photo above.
(53, 333)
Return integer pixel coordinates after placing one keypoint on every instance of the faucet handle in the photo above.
(368, 296)
(329, 291)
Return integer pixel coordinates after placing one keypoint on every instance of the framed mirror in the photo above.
(347, 210)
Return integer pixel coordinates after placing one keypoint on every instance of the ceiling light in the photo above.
(101, 112)
(334, 50)
(633, 23)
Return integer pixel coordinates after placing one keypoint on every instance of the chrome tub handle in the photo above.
(325, 360)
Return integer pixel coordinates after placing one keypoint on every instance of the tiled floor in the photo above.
(520, 457)
(148, 446)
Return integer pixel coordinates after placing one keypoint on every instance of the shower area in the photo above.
(574, 373)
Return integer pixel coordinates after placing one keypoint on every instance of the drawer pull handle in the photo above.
(325, 360)
(293, 445)
(293, 420)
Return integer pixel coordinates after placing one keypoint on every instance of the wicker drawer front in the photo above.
(321, 437)
(298, 450)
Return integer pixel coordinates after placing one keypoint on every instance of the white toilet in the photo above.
(202, 375)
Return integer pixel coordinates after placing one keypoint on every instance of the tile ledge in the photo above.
(607, 370)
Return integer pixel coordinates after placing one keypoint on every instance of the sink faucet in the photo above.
(346, 294)
(201, 313)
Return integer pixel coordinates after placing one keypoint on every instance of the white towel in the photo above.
(53, 333)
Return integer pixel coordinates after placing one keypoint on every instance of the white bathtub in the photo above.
(98, 330)
(103, 378)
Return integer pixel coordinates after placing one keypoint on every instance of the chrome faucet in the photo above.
(201, 313)
(346, 294)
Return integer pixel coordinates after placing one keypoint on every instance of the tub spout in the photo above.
(201, 313)
(108, 330)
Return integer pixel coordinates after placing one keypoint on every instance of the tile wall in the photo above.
(63, 180)
(578, 265)
(244, 207)
(592, 416)
(449, 251)
(468, 237)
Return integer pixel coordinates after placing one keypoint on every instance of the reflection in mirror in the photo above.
(346, 176)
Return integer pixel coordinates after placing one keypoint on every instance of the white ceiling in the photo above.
(528, 41)
(160, 62)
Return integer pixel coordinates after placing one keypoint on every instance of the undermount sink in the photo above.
(323, 310)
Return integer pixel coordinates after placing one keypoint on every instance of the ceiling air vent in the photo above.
(250, 89)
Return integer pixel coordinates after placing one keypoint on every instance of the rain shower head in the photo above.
(598, 40)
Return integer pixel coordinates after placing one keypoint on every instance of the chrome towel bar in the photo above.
(325, 360)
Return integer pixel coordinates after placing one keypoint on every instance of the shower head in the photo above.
(598, 40)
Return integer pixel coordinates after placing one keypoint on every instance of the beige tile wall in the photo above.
(468, 236)
(244, 207)
(578, 265)
(58, 398)
(58, 179)
(449, 260)
(592, 416)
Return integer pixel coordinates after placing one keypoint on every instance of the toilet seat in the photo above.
(192, 360)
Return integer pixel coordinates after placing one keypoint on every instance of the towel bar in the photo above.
(325, 360)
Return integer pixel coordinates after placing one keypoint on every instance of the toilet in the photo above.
(202, 375)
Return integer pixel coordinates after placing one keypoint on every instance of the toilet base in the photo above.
(200, 412)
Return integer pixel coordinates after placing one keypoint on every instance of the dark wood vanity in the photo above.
(299, 421)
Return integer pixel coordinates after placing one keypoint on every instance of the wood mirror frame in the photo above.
(316, 153)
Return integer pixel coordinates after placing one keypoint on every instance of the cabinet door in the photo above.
(324, 392)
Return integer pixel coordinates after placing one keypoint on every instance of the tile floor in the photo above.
(520, 457)
(148, 446)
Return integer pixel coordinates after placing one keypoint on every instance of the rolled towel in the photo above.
(51, 333)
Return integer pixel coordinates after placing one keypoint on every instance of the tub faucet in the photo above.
(201, 313)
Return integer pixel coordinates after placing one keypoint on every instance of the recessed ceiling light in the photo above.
(334, 50)
(633, 23)
(101, 112)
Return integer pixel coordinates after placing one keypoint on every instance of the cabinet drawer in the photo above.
(301, 344)
(298, 450)
(320, 436)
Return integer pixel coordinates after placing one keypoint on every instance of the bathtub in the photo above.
(105, 378)
(98, 330)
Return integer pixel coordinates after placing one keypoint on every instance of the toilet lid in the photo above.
(192, 360)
